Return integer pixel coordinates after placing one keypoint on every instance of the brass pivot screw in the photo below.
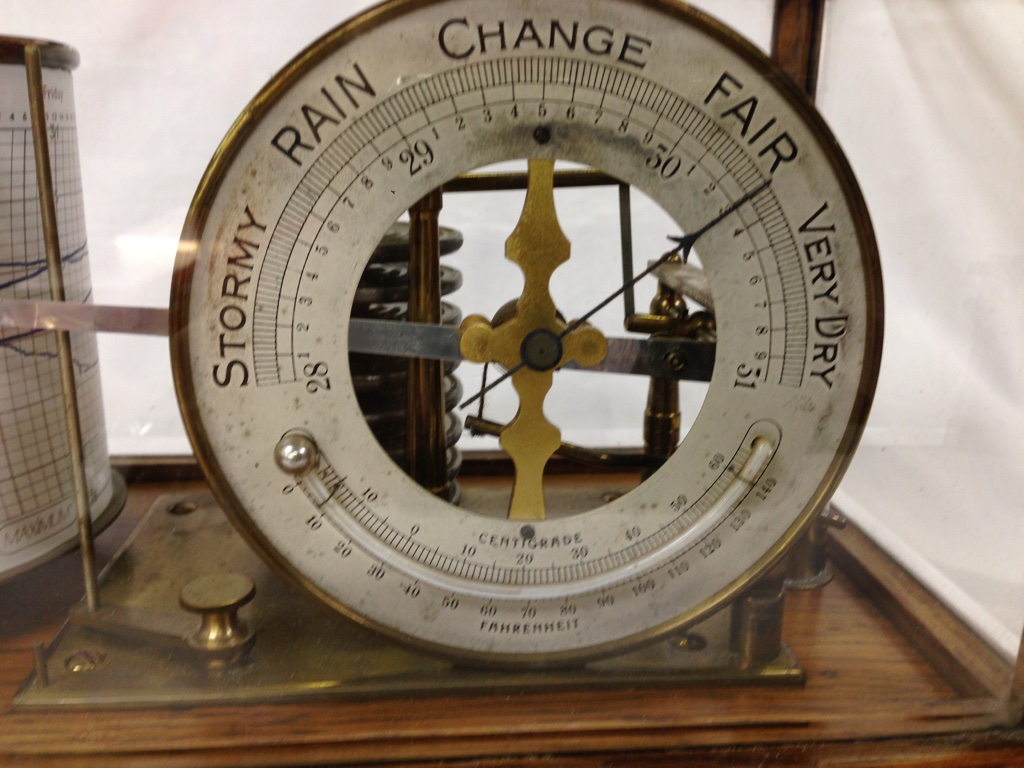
(222, 636)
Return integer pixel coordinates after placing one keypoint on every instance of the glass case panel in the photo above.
(923, 98)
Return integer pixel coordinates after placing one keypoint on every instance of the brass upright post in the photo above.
(661, 416)
(756, 628)
(425, 435)
(54, 268)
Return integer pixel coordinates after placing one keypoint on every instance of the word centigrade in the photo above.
(516, 542)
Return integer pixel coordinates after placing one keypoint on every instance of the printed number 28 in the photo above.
(317, 375)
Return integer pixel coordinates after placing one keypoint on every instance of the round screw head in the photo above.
(85, 660)
(217, 592)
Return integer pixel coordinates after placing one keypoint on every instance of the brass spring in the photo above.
(381, 382)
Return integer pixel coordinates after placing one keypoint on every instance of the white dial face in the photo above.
(400, 101)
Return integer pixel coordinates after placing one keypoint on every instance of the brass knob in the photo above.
(217, 598)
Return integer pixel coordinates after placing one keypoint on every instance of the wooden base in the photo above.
(884, 660)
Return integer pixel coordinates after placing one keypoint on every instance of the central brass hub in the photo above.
(541, 350)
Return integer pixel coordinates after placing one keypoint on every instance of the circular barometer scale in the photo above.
(410, 95)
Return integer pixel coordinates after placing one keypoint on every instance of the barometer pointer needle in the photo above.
(684, 245)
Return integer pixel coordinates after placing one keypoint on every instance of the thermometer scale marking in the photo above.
(340, 505)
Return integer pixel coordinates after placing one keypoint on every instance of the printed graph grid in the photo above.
(35, 471)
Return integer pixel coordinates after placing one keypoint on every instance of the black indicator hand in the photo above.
(684, 244)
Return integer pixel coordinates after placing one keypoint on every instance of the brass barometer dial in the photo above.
(410, 95)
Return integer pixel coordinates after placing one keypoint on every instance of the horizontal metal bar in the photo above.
(668, 358)
(95, 318)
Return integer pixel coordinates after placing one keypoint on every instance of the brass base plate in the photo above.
(302, 648)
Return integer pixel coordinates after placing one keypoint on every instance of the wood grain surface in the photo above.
(875, 670)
